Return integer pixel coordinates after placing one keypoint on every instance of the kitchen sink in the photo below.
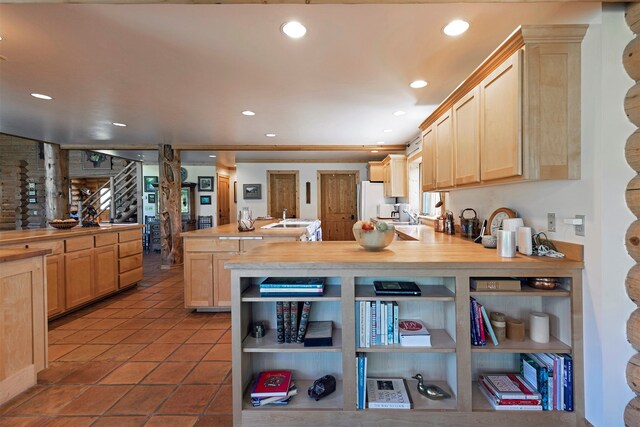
(288, 225)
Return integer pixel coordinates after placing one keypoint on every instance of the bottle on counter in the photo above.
(438, 224)
(449, 223)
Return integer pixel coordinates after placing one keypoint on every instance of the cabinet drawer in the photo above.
(130, 248)
(211, 245)
(130, 262)
(56, 246)
(106, 239)
(79, 244)
(130, 277)
(128, 236)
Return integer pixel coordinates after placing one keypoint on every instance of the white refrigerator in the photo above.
(370, 195)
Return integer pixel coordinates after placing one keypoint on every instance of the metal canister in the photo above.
(469, 227)
(449, 223)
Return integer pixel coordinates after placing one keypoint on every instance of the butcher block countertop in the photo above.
(39, 234)
(7, 255)
(229, 230)
(433, 250)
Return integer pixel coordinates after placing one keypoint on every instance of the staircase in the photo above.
(121, 196)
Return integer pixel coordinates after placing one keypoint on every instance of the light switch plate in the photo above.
(551, 222)
(580, 228)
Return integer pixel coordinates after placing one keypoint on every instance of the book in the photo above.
(272, 384)
(498, 284)
(499, 407)
(286, 312)
(387, 393)
(293, 281)
(476, 323)
(362, 375)
(275, 400)
(279, 322)
(509, 386)
(392, 287)
(536, 374)
(291, 293)
(367, 332)
(319, 334)
(294, 321)
(389, 323)
(499, 401)
(568, 382)
(396, 323)
(413, 333)
(548, 362)
(374, 324)
(304, 320)
(488, 326)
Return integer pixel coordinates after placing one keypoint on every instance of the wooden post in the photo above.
(170, 213)
(56, 182)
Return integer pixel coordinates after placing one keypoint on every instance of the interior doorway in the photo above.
(223, 199)
(282, 193)
(337, 203)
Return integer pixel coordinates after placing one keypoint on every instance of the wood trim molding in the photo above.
(319, 185)
(190, 147)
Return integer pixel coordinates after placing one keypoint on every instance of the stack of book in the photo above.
(377, 323)
(481, 328)
(361, 379)
(292, 319)
(292, 287)
(273, 388)
(551, 375)
(509, 392)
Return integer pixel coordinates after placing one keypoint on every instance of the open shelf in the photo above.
(526, 291)
(301, 401)
(252, 294)
(441, 342)
(479, 403)
(422, 403)
(268, 344)
(527, 346)
(429, 292)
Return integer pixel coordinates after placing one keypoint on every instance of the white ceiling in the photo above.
(181, 74)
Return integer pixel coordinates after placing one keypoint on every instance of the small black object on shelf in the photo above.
(322, 387)
(394, 287)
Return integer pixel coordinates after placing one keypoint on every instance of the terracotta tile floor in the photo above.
(138, 358)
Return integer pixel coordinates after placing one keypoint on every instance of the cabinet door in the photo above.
(398, 172)
(222, 280)
(376, 173)
(198, 280)
(386, 172)
(106, 269)
(428, 160)
(500, 113)
(55, 285)
(466, 132)
(444, 151)
(78, 271)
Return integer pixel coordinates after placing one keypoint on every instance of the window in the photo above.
(429, 200)
(415, 185)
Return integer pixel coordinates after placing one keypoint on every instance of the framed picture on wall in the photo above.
(205, 183)
(205, 200)
(252, 191)
(151, 198)
(148, 184)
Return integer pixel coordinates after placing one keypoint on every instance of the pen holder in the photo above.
(515, 329)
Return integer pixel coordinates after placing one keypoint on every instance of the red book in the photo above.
(272, 384)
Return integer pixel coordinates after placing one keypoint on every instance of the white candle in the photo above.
(539, 327)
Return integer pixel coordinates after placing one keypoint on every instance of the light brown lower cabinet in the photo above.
(198, 272)
(79, 277)
(55, 285)
(222, 280)
(106, 270)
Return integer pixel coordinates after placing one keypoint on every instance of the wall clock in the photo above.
(495, 220)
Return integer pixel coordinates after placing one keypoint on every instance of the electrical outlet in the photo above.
(551, 222)
(580, 228)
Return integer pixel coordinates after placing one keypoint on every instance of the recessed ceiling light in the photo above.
(387, 130)
(248, 113)
(0, 38)
(41, 96)
(380, 142)
(374, 151)
(212, 156)
(294, 29)
(418, 84)
(456, 27)
(270, 135)
(399, 113)
(122, 125)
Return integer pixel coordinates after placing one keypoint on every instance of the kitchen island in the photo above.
(86, 263)
(442, 266)
(206, 282)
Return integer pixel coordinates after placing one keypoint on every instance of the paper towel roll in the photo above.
(525, 246)
(539, 327)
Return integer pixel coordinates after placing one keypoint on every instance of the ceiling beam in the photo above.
(295, 1)
(237, 148)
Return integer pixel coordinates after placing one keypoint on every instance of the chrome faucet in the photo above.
(284, 214)
(413, 217)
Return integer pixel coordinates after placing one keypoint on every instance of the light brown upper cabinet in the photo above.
(466, 134)
(516, 117)
(428, 160)
(394, 168)
(376, 172)
(444, 151)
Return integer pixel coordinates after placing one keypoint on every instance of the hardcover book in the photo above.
(319, 334)
(293, 282)
(414, 333)
(304, 320)
(280, 322)
(294, 321)
(272, 384)
(388, 393)
(287, 321)
(512, 407)
(489, 284)
(509, 386)
(387, 287)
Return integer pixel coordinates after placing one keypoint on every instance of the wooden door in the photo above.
(338, 209)
(428, 160)
(106, 270)
(466, 130)
(223, 200)
(55, 285)
(198, 271)
(283, 193)
(500, 112)
(78, 271)
(444, 151)
(222, 279)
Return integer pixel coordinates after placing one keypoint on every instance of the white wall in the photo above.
(600, 196)
(256, 173)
